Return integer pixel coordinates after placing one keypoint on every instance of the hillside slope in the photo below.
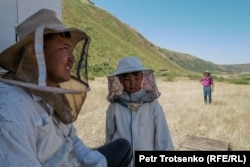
(193, 63)
(111, 40)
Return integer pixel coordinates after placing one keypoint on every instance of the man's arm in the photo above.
(84, 155)
(17, 135)
(212, 84)
(201, 81)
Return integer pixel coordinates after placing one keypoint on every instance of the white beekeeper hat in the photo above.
(129, 64)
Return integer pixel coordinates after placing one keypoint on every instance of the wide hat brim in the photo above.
(9, 55)
(44, 20)
(129, 64)
(128, 70)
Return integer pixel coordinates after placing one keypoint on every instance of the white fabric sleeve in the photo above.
(17, 149)
(110, 123)
(85, 156)
(17, 135)
(163, 140)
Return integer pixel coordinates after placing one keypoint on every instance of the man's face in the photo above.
(131, 81)
(59, 59)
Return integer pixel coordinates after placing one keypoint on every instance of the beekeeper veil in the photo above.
(26, 66)
(132, 64)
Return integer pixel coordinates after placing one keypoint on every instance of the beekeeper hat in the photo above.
(129, 64)
(26, 66)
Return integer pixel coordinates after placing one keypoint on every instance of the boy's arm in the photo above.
(110, 123)
(163, 140)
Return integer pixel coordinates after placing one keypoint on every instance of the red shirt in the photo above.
(207, 81)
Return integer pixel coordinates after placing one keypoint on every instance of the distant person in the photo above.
(41, 96)
(134, 112)
(208, 86)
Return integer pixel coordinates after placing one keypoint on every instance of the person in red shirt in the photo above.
(208, 86)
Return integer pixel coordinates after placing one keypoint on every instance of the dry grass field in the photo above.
(226, 119)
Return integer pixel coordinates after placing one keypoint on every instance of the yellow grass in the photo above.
(226, 119)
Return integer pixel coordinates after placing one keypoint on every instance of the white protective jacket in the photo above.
(31, 136)
(145, 128)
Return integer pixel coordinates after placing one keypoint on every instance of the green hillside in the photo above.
(112, 39)
(193, 63)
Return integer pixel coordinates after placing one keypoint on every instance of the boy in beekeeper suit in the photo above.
(134, 112)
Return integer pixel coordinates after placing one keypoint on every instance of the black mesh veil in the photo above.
(79, 79)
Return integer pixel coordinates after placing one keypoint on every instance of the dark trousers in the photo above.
(118, 153)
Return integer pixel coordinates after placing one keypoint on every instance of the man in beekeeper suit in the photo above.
(41, 96)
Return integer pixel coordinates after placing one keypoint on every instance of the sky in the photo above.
(213, 30)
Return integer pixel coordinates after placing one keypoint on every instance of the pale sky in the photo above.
(213, 30)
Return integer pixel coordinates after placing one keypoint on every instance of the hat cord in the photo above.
(40, 56)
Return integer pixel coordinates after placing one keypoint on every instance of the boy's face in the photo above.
(131, 81)
(59, 59)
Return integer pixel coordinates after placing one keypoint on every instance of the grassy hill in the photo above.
(235, 73)
(112, 39)
(193, 63)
